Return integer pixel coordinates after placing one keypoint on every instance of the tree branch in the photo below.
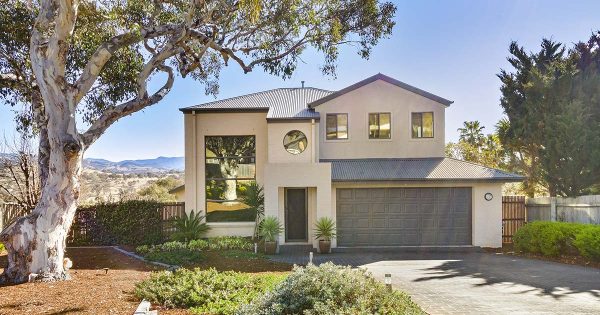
(113, 114)
(107, 49)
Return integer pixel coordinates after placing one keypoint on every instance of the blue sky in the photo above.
(450, 48)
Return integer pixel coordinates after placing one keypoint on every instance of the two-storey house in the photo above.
(370, 156)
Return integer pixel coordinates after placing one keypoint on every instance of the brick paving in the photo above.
(475, 282)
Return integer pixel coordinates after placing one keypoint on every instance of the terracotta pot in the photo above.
(270, 248)
(324, 247)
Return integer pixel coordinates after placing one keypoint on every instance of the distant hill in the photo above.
(159, 164)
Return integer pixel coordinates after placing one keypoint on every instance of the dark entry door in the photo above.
(296, 215)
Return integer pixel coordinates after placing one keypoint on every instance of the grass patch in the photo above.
(236, 253)
(205, 291)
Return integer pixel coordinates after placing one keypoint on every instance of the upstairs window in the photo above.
(380, 126)
(337, 126)
(422, 125)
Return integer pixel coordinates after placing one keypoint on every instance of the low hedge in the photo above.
(131, 222)
(184, 254)
(559, 238)
(205, 291)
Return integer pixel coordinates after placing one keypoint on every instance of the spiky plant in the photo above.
(189, 227)
(270, 228)
(325, 229)
(254, 198)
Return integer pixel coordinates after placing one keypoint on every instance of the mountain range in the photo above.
(159, 164)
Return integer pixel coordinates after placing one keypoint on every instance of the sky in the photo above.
(453, 49)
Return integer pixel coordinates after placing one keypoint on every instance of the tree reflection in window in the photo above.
(295, 142)
(230, 167)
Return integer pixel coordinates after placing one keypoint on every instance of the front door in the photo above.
(296, 215)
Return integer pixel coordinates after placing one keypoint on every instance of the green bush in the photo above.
(179, 257)
(230, 242)
(1, 247)
(189, 227)
(205, 291)
(331, 289)
(587, 242)
(132, 222)
(179, 253)
(556, 238)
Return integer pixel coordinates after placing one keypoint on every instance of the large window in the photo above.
(422, 125)
(380, 126)
(230, 168)
(337, 126)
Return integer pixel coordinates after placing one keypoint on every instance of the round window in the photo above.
(295, 142)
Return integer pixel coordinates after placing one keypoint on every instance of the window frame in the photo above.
(217, 179)
(337, 127)
(378, 125)
(432, 125)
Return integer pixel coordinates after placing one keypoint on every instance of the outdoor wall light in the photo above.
(488, 196)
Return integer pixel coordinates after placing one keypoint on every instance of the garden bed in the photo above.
(91, 290)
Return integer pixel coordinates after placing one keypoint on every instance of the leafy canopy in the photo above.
(551, 101)
(117, 46)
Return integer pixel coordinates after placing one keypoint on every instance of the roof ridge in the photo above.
(252, 94)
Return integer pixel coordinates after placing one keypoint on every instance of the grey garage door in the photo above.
(404, 216)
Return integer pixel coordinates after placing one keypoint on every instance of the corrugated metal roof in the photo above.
(434, 169)
(282, 103)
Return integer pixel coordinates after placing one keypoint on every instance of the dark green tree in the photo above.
(552, 103)
(63, 59)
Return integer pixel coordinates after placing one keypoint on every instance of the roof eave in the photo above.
(188, 110)
(384, 78)
(463, 180)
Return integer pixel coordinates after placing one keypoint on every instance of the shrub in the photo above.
(205, 291)
(179, 257)
(331, 289)
(552, 238)
(229, 242)
(189, 227)
(131, 222)
(587, 242)
(325, 229)
(1, 247)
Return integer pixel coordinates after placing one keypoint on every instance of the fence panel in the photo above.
(514, 216)
(582, 209)
(9, 212)
(171, 211)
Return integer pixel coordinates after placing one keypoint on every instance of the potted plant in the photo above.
(324, 232)
(270, 228)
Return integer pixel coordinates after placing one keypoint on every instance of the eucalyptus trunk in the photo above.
(36, 243)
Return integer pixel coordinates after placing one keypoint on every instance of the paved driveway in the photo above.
(479, 283)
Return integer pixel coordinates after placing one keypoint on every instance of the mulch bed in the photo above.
(91, 291)
(564, 259)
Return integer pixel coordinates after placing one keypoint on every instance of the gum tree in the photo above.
(64, 58)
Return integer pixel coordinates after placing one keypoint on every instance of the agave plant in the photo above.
(325, 229)
(189, 227)
(270, 228)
